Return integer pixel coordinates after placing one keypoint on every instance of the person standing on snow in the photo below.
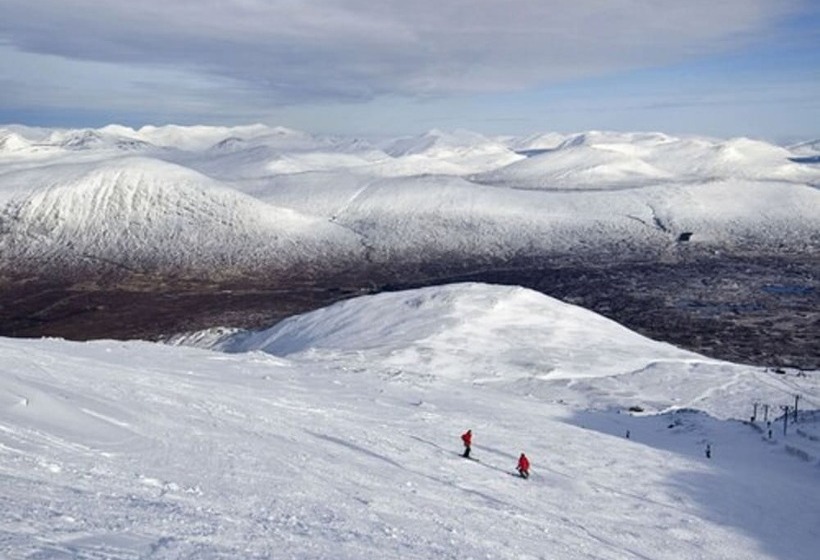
(523, 466)
(467, 438)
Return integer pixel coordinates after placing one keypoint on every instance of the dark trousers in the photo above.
(523, 473)
(466, 451)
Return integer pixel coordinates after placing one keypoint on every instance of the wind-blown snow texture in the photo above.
(227, 201)
(335, 435)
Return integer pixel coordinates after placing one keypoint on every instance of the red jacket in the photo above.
(523, 463)
(467, 438)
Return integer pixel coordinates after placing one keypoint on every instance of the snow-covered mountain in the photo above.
(336, 435)
(258, 196)
(136, 212)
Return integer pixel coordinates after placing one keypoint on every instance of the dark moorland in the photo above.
(755, 310)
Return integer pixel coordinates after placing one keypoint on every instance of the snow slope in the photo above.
(344, 444)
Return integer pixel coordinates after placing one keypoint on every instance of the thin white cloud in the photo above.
(48, 81)
(291, 51)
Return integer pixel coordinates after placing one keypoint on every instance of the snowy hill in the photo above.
(335, 435)
(504, 336)
(435, 196)
(145, 213)
(469, 324)
(13, 142)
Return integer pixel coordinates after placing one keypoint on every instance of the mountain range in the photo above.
(220, 202)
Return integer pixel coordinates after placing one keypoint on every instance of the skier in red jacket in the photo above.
(523, 466)
(467, 438)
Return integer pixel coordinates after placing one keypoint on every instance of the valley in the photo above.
(755, 310)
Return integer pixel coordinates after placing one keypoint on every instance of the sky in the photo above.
(358, 67)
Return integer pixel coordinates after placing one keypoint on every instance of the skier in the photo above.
(523, 466)
(467, 438)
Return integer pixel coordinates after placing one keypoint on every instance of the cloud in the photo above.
(293, 51)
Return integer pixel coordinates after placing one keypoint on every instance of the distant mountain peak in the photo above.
(13, 142)
(437, 143)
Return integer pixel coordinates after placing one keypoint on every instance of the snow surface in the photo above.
(336, 435)
(293, 197)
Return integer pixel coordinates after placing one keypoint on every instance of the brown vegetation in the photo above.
(763, 311)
